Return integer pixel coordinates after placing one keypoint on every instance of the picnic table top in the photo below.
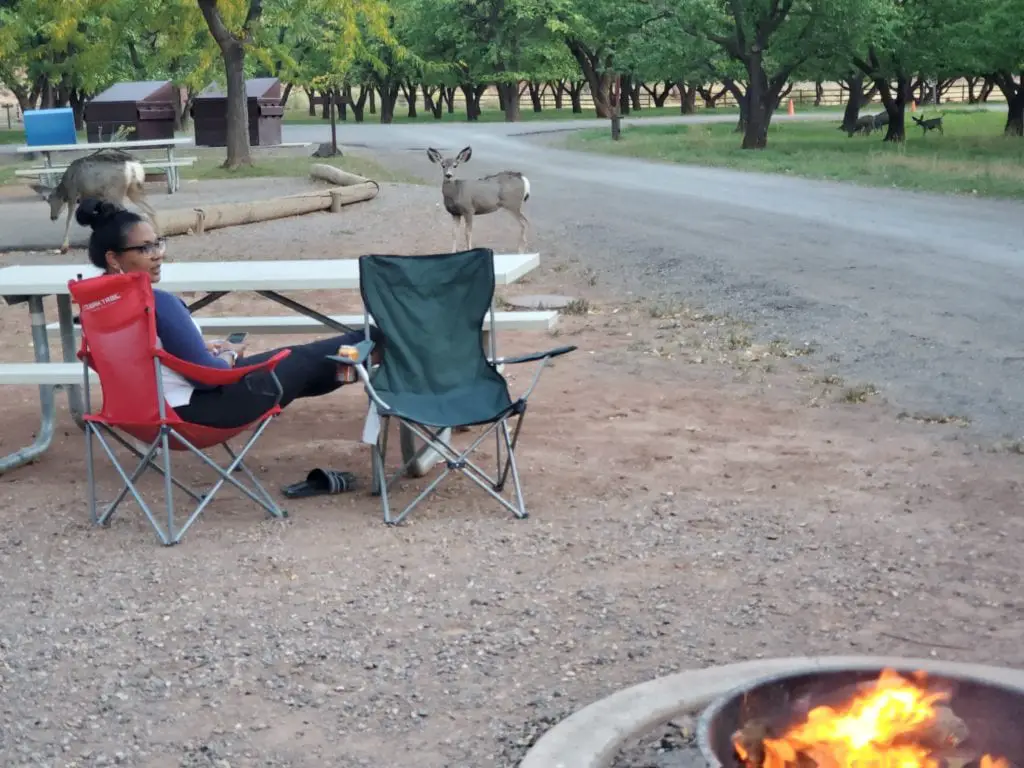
(142, 144)
(294, 275)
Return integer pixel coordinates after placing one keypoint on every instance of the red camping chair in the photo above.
(119, 342)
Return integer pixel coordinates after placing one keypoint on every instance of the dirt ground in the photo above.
(695, 499)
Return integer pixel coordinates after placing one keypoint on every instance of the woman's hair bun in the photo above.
(96, 213)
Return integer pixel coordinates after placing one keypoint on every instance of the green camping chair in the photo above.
(435, 374)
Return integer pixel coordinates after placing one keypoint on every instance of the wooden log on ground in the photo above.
(324, 172)
(197, 220)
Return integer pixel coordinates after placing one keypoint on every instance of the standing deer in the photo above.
(107, 174)
(464, 199)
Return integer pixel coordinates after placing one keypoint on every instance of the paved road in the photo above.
(919, 294)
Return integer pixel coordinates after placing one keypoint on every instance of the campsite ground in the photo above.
(696, 497)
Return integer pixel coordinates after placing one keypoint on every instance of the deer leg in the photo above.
(469, 232)
(455, 233)
(66, 244)
(138, 196)
(523, 224)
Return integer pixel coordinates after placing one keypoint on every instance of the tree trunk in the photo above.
(472, 94)
(855, 84)
(358, 105)
(287, 92)
(238, 114)
(660, 99)
(761, 99)
(819, 93)
(710, 97)
(388, 97)
(625, 88)
(741, 102)
(436, 107)
(509, 93)
(324, 104)
(687, 98)
(449, 99)
(536, 95)
(575, 96)
(78, 108)
(409, 91)
(341, 103)
(1014, 93)
(896, 107)
(598, 74)
(373, 102)
(634, 97)
(311, 95)
(558, 91)
(501, 98)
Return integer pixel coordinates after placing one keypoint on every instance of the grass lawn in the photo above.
(487, 115)
(973, 157)
(208, 167)
(265, 165)
(16, 136)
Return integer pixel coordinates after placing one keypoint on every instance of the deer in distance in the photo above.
(107, 174)
(466, 198)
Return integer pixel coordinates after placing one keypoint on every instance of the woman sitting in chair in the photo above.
(122, 241)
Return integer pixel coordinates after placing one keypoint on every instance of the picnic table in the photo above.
(169, 145)
(30, 284)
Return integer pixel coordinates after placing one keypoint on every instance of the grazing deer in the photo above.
(931, 124)
(107, 174)
(464, 199)
(866, 124)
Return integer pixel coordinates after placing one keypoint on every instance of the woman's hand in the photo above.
(221, 348)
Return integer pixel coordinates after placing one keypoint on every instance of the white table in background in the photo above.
(166, 144)
(30, 284)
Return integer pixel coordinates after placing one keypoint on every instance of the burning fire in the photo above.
(896, 723)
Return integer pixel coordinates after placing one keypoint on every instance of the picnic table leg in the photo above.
(50, 180)
(46, 400)
(67, 343)
(172, 172)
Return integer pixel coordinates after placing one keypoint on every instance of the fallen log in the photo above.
(197, 220)
(325, 172)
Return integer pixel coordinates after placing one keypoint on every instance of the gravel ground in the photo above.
(695, 500)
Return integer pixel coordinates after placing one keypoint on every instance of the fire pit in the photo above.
(882, 718)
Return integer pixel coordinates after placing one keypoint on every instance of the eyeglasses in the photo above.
(148, 249)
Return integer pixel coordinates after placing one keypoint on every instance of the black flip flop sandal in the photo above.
(321, 482)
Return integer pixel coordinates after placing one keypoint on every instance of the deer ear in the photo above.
(465, 154)
(434, 155)
(39, 189)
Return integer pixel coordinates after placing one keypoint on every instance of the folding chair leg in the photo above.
(380, 475)
(90, 473)
(272, 507)
(522, 514)
(168, 486)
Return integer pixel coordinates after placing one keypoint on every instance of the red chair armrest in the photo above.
(217, 377)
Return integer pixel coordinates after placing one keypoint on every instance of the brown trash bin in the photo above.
(263, 97)
(150, 107)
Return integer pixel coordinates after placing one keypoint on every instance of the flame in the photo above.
(882, 727)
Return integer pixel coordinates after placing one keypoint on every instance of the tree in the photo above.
(772, 41)
(232, 38)
(55, 51)
(998, 53)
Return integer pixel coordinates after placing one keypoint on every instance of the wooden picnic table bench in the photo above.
(168, 145)
(44, 173)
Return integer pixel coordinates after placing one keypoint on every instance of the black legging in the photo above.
(306, 372)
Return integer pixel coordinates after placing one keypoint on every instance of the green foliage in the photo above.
(972, 158)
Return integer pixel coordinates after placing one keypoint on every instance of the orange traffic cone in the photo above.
(789, 109)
